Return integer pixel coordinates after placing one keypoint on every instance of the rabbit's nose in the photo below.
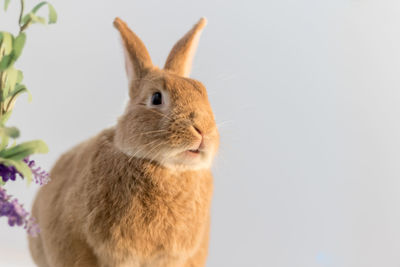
(201, 144)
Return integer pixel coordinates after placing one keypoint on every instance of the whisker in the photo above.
(224, 122)
(142, 148)
(160, 113)
(156, 131)
(151, 150)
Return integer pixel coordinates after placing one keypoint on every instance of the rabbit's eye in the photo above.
(156, 99)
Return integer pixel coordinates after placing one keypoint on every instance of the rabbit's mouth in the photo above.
(192, 158)
(197, 149)
(194, 151)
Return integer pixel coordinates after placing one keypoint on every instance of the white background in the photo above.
(307, 95)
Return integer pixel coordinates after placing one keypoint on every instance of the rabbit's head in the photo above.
(168, 118)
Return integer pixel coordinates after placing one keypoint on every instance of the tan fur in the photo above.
(181, 56)
(133, 195)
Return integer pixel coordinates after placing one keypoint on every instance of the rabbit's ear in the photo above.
(137, 58)
(180, 58)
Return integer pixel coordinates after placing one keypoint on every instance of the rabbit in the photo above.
(138, 193)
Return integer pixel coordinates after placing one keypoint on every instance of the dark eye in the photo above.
(156, 99)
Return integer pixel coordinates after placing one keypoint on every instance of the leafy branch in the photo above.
(14, 158)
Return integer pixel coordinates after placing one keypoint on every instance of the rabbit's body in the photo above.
(137, 194)
(104, 208)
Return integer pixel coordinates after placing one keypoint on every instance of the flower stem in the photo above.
(22, 12)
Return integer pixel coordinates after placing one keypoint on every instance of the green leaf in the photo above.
(6, 3)
(38, 19)
(52, 11)
(8, 81)
(11, 80)
(21, 167)
(25, 19)
(31, 16)
(38, 6)
(20, 76)
(25, 149)
(5, 117)
(6, 62)
(12, 132)
(19, 43)
(19, 88)
(52, 14)
(4, 141)
(12, 97)
(6, 43)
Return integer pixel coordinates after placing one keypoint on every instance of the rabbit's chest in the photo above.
(149, 221)
(159, 227)
(174, 224)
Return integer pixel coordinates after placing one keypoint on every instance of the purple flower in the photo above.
(10, 208)
(40, 176)
(16, 213)
(8, 172)
(32, 227)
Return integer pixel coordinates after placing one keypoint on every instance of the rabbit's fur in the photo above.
(137, 194)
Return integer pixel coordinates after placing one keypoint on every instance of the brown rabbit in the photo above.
(137, 194)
